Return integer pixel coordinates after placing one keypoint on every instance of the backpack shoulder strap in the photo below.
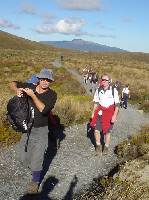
(112, 87)
(99, 89)
(113, 91)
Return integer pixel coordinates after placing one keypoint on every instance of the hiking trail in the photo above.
(74, 165)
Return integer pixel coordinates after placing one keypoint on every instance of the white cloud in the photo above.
(70, 26)
(7, 24)
(46, 29)
(64, 26)
(28, 8)
(80, 4)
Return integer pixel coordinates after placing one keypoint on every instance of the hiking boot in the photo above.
(98, 150)
(105, 150)
(32, 187)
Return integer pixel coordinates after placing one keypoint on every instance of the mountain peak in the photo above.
(82, 45)
(77, 40)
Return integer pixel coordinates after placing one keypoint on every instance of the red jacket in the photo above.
(106, 117)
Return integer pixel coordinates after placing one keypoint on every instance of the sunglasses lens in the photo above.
(105, 80)
(45, 79)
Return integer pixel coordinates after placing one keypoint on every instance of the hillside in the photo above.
(9, 41)
(82, 45)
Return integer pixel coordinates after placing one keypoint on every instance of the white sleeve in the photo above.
(116, 96)
(96, 96)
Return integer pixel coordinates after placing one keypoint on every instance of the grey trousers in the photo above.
(37, 145)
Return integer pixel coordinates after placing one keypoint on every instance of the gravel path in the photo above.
(73, 166)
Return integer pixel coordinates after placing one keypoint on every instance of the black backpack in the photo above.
(20, 114)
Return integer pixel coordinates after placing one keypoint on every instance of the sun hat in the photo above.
(45, 73)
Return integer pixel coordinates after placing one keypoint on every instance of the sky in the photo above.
(116, 23)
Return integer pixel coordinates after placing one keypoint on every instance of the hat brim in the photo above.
(44, 76)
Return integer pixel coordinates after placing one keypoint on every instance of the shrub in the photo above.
(72, 111)
(135, 146)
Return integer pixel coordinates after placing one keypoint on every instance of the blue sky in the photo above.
(117, 23)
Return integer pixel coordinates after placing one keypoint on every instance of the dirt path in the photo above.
(74, 165)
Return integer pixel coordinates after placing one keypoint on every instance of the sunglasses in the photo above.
(104, 79)
(45, 79)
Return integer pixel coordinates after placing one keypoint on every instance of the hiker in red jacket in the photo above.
(106, 106)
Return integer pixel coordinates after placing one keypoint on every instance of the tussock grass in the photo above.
(69, 96)
(127, 189)
(73, 109)
(129, 68)
(135, 146)
(131, 182)
(131, 179)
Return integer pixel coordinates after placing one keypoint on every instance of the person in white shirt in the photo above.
(105, 110)
(125, 96)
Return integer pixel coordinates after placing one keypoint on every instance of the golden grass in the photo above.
(131, 181)
(132, 68)
(135, 146)
(129, 68)
(67, 107)
(73, 109)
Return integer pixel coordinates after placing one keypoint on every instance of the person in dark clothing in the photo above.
(43, 100)
(125, 96)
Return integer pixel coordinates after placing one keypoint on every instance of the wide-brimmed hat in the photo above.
(46, 73)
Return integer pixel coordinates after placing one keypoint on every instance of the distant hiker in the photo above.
(85, 75)
(62, 57)
(117, 85)
(106, 106)
(43, 100)
(94, 81)
(85, 78)
(125, 96)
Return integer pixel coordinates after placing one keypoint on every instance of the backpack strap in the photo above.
(113, 91)
(30, 123)
(100, 88)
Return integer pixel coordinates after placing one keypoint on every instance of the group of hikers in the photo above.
(90, 77)
(105, 111)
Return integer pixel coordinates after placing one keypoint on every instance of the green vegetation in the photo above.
(20, 58)
(8, 41)
(135, 146)
(129, 68)
(130, 180)
(72, 106)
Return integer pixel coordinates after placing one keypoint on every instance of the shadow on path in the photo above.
(56, 135)
(48, 186)
(69, 194)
